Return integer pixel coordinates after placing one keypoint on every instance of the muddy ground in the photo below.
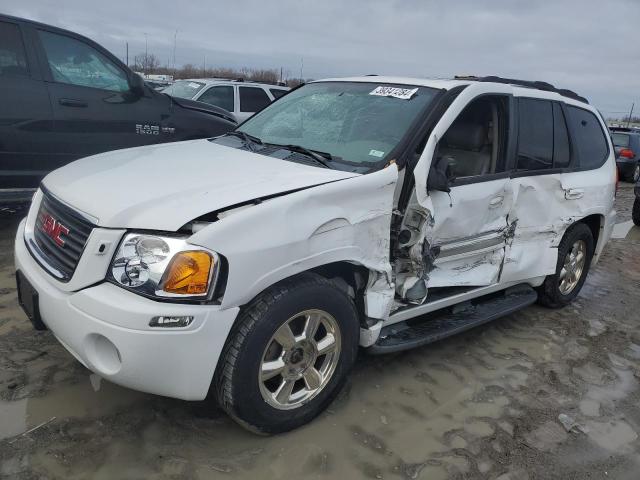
(486, 404)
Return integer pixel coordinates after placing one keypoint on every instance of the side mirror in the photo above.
(440, 176)
(136, 84)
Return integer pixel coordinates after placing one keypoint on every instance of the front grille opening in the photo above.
(60, 235)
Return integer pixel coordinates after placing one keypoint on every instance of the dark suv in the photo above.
(63, 96)
(627, 144)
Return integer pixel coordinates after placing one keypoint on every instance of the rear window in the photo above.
(589, 138)
(184, 89)
(620, 139)
(277, 92)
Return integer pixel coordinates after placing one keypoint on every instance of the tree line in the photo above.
(150, 64)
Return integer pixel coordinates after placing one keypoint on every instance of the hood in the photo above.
(204, 107)
(162, 187)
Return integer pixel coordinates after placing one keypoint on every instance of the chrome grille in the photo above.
(60, 249)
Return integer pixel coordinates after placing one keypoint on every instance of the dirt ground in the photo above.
(538, 394)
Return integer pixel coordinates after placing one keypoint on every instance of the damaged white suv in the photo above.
(384, 213)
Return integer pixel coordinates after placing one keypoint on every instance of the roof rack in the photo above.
(539, 85)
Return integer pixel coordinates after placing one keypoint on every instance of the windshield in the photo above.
(620, 139)
(184, 89)
(358, 124)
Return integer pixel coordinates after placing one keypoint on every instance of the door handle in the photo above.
(496, 201)
(70, 102)
(573, 193)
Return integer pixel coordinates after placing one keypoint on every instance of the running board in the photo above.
(444, 323)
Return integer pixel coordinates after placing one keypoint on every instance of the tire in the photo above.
(551, 293)
(635, 212)
(636, 174)
(239, 385)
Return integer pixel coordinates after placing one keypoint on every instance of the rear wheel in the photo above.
(635, 213)
(636, 173)
(574, 259)
(288, 355)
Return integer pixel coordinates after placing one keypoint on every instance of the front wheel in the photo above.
(574, 259)
(288, 355)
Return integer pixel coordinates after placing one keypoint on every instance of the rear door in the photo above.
(25, 112)
(93, 105)
(548, 188)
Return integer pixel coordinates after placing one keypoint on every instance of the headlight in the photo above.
(166, 267)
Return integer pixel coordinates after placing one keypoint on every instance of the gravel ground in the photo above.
(538, 394)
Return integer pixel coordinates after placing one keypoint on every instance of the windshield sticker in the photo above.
(376, 153)
(194, 85)
(401, 93)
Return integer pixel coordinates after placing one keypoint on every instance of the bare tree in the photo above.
(146, 62)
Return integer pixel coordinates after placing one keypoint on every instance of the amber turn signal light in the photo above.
(188, 273)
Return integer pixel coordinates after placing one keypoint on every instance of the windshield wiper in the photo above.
(249, 140)
(320, 157)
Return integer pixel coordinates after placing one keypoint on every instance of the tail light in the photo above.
(627, 153)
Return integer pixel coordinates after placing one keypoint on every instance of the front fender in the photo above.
(346, 220)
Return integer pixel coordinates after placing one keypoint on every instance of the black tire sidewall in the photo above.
(635, 212)
(249, 406)
(551, 289)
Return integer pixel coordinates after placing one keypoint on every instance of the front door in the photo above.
(94, 108)
(465, 237)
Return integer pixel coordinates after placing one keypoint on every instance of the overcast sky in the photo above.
(590, 46)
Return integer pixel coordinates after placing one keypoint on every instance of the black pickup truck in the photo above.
(63, 96)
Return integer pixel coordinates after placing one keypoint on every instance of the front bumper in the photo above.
(107, 329)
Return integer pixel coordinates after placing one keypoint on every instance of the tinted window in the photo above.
(220, 96)
(277, 93)
(588, 137)
(620, 139)
(74, 62)
(535, 134)
(253, 99)
(13, 60)
(561, 150)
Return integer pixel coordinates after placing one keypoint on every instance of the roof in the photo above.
(520, 87)
(211, 81)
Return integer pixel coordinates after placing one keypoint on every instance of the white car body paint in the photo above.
(309, 217)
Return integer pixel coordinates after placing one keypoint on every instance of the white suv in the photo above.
(243, 99)
(254, 265)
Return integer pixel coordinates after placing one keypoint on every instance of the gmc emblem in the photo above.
(53, 228)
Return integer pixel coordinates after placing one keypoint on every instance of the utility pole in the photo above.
(175, 36)
(630, 114)
(146, 53)
(301, 67)
(127, 43)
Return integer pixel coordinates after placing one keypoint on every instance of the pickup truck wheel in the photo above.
(574, 259)
(288, 355)
(635, 212)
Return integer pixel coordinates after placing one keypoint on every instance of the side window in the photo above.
(475, 143)
(253, 99)
(561, 149)
(535, 134)
(13, 60)
(74, 62)
(277, 92)
(589, 139)
(220, 96)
